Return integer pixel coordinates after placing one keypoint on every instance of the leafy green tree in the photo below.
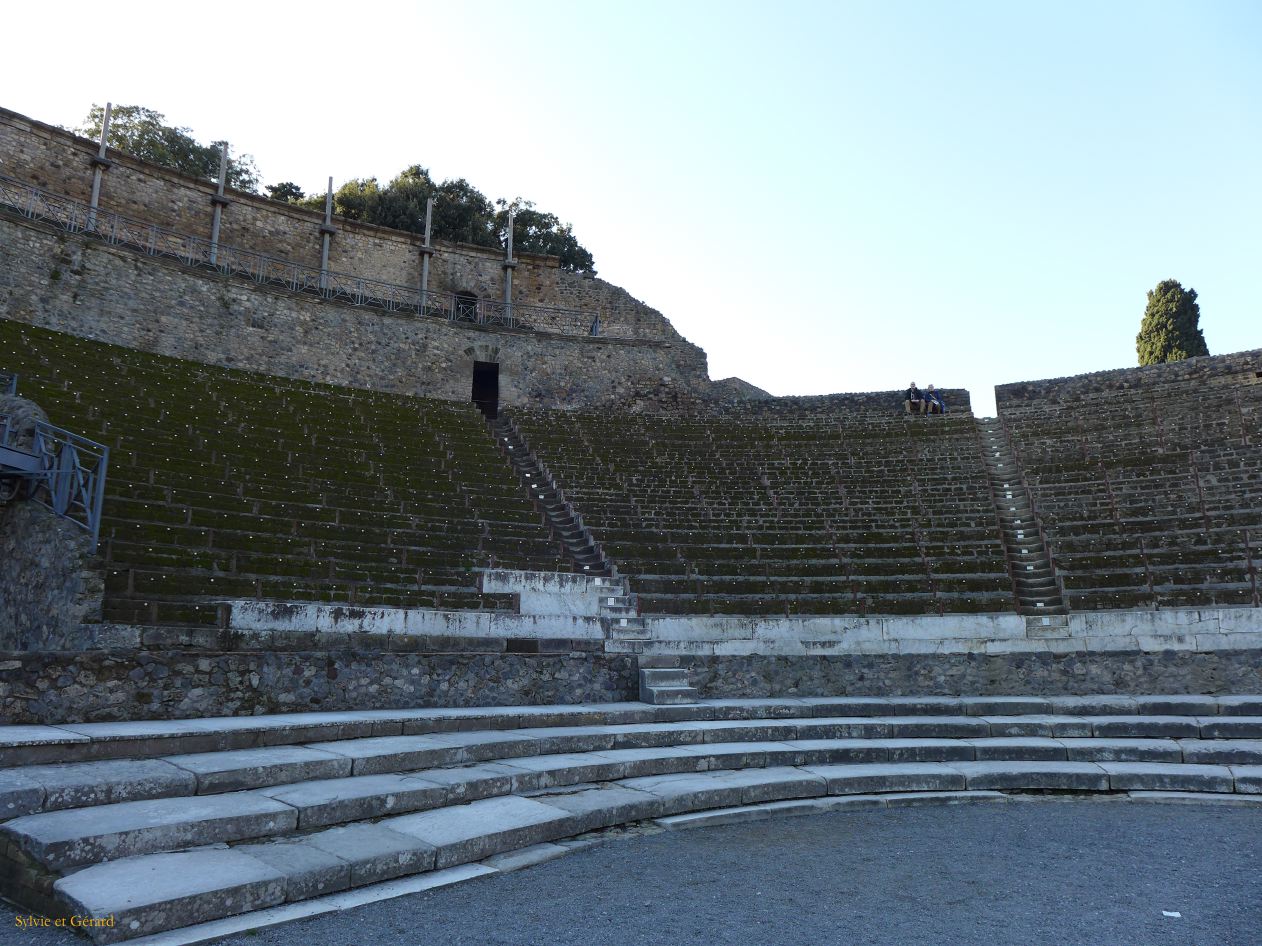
(538, 232)
(1170, 330)
(287, 192)
(143, 133)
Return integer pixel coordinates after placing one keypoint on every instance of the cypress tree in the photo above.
(1171, 329)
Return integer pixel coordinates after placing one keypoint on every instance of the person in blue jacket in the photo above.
(934, 401)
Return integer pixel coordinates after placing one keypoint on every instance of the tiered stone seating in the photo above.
(828, 505)
(176, 823)
(1151, 496)
(228, 484)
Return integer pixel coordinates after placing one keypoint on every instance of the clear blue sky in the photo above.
(825, 196)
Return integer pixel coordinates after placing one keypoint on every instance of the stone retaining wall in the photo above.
(1240, 368)
(84, 287)
(55, 687)
(1182, 629)
(49, 581)
(60, 162)
(1028, 674)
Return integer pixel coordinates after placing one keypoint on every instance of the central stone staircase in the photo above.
(170, 824)
(1034, 579)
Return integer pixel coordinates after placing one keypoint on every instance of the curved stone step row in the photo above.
(61, 840)
(51, 787)
(73, 742)
(157, 891)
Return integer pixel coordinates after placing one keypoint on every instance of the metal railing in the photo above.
(70, 474)
(75, 217)
(8, 384)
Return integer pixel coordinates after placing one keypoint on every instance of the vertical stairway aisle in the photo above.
(619, 606)
(1029, 561)
(539, 482)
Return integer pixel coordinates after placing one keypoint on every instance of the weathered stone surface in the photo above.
(165, 891)
(903, 777)
(689, 792)
(20, 794)
(1167, 777)
(255, 768)
(1050, 675)
(1080, 776)
(1123, 750)
(1222, 751)
(472, 782)
(924, 750)
(334, 801)
(1230, 727)
(50, 584)
(1018, 748)
(374, 852)
(604, 806)
(1146, 727)
(775, 783)
(77, 785)
(78, 836)
(658, 761)
(1248, 778)
(309, 871)
(464, 833)
(192, 683)
(393, 753)
(546, 771)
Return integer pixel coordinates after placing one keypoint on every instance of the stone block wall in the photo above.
(60, 162)
(1242, 369)
(109, 685)
(82, 286)
(1009, 674)
(50, 583)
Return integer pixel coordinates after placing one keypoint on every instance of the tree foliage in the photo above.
(1170, 330)
(143, 133)
(462, 214)
(287, 192)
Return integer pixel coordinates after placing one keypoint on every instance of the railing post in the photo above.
(326, 234)
(509, 265)
(99, 164)
(220, 202)
(427, 250)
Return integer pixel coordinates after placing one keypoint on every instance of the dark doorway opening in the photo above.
(486, 388)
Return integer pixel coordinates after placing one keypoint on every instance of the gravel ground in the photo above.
(1061, 873)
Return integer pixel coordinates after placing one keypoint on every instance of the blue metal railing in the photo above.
(69, 473)
(75, 217)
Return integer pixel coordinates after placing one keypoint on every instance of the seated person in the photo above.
(914, 400)
(934, 401)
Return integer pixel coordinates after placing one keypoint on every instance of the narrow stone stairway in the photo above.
(1029, 561)
(539, 482)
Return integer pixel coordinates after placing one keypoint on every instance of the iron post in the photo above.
(99, 164)
(220, 202)
(509, 265)
(326, 233)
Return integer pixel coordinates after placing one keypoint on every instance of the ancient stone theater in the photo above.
(339, 558)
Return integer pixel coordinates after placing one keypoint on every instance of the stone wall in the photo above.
(1087, 632)
(185, 684)
(58, 161)
(79, 285)
(1217, 672)
(1241, 369)
(50, 583)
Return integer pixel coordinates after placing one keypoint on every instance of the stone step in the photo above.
(71, 742)
(150, 893)
(664, 676)
(376, 761)
(668, 695)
